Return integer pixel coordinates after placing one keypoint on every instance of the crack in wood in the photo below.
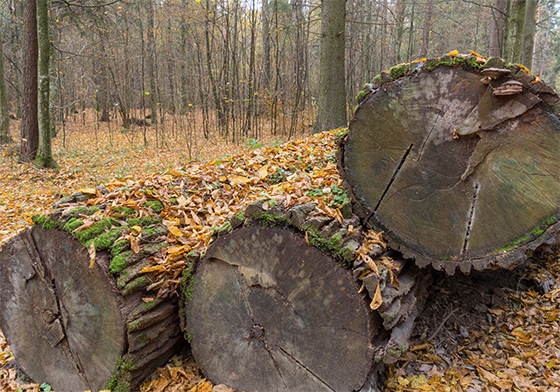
(471, 218)
(397, 170)
(242, 293)
(73, 357)
(290, 357)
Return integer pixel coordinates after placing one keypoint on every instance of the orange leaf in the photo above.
(91, 251)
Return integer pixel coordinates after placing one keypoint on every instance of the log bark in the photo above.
(455, 174)
(281, 304)
(70, 323)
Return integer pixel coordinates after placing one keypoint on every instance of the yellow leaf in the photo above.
(453, 53)
(263, 172)
(137, 229)
(238, 180)
(377, 300)
(175, 231)
(182, 201)
(551, 363)
(151, 268)
(88, 191)
(91, 251)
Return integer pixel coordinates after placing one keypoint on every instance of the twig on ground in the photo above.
(441, 325)
(34, 168)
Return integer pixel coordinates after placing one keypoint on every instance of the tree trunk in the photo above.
(529, 33)
(331, 112)
(455, 173)
(151, 61)
(514, 37)
(427, 28)
(78, 324)
(291, 316)
(4, 109)
(497, 30)
(29, 122)
(44, 156)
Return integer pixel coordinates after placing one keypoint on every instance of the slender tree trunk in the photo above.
(170, 74)
(29, 122)
(4, 110)
(497, 29)
(266, 44)
(545, 45)
(332, 85)
(400, 7)
(514, 40)
(427, 28)
(151, 60)
(44, 153)
(529, 33)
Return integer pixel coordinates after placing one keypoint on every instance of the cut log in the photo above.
(269, 312)
(69, 324)
(455, 173)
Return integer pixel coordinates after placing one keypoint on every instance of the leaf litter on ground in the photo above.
(519, 353)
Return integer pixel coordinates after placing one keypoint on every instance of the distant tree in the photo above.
(529, 33)
(29, 121)
(4, 110)
(497, 28)
(332, 84)
(427, 28)
(44, 153)
(514, 35)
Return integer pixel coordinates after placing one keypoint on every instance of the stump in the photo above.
(454, 172)
(269, 312)
(70, 325)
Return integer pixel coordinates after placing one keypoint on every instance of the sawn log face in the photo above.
(454, 175)
(58, 315)
(272, 313)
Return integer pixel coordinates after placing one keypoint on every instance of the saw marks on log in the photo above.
(448, 185)
(269, 312)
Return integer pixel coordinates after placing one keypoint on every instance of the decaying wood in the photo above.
(454, 172)
(69, 325)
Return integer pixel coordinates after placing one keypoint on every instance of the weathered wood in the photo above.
(455, 174)
(271, 313)
(69, 325)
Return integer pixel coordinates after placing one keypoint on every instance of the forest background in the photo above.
(241, 69)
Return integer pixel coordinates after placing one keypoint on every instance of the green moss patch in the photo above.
(144, 221)
(94, 230)
(120, 262)
(155, 205)
(120, 379)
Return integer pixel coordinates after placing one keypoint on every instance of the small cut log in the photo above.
(68, 321)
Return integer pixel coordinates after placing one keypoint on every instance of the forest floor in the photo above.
(495, 331)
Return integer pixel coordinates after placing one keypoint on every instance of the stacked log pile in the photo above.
(454, 159)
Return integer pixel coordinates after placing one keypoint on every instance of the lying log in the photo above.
(79, 321)
(457, 163)
(276, 304)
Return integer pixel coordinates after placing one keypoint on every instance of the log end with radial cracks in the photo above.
(453, 172)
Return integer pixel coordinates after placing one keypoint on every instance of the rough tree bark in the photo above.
(4, 109)
(514, 36)
(44, 156)
(29, 120)
(331, 112)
